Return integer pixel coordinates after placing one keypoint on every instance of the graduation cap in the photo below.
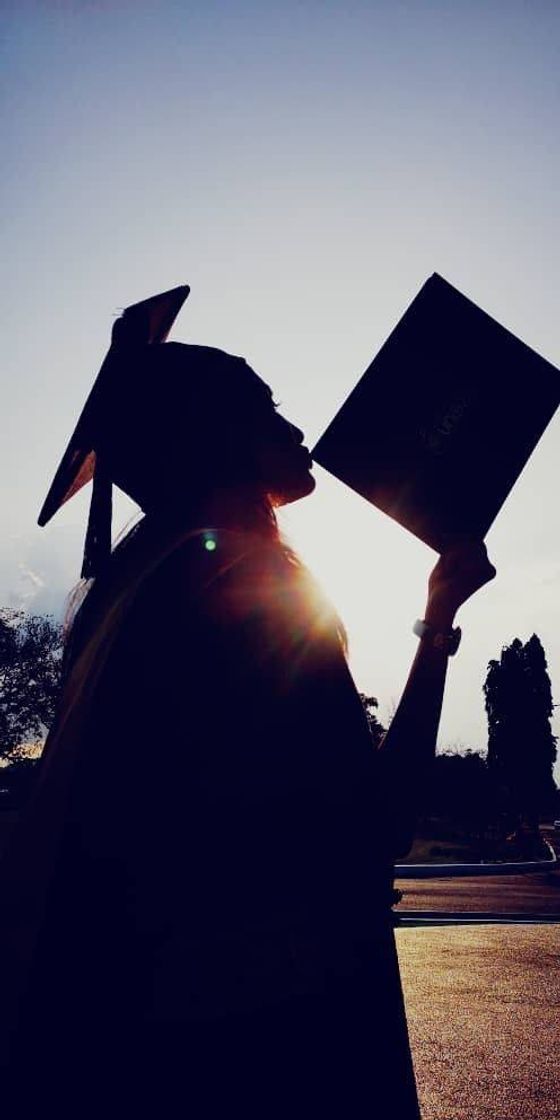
(442, 422)
(141, 324)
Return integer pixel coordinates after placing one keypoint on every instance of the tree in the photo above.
(376, 729)
(521, 746)
(30, 674)
(457, 794)
(457, 787)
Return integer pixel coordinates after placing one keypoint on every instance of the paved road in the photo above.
(502, 894)
(482, 1005)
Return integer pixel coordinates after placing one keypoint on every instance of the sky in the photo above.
(304, 166)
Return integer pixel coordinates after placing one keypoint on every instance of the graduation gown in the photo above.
(216, 929)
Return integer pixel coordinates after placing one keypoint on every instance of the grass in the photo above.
(455, 848)
(427, 849)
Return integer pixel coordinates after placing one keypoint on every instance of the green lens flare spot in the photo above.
(210, 543)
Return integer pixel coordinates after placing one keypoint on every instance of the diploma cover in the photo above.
(441, 424)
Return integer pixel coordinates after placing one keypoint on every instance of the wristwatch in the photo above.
(448, 642)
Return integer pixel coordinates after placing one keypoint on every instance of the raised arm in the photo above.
(409, 744)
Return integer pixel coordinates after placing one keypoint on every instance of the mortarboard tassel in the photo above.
(97, 549)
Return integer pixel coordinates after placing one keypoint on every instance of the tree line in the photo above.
(510, 788)
(31, 654)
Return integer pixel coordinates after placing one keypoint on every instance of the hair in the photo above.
(183, 427)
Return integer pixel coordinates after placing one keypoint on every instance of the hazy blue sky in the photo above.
(305, 167)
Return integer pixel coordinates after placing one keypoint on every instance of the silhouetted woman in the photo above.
(201, 889)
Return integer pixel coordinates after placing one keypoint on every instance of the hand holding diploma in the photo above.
(458, 574)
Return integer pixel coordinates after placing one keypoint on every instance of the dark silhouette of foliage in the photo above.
(16, 782)
(521, 746)
(30, 675)
(458, 791)
(376, 729)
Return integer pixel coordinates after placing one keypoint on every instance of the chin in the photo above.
(293, 491)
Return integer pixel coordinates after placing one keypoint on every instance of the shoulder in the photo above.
(218, 595)
(237, 589)
(203, 572)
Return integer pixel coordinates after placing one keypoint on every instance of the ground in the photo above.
(482, 1000)
(482, 1006)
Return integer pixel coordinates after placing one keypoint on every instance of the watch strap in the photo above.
(445, 641)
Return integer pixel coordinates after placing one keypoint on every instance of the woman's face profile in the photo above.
(283, 462)
(227, 426)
